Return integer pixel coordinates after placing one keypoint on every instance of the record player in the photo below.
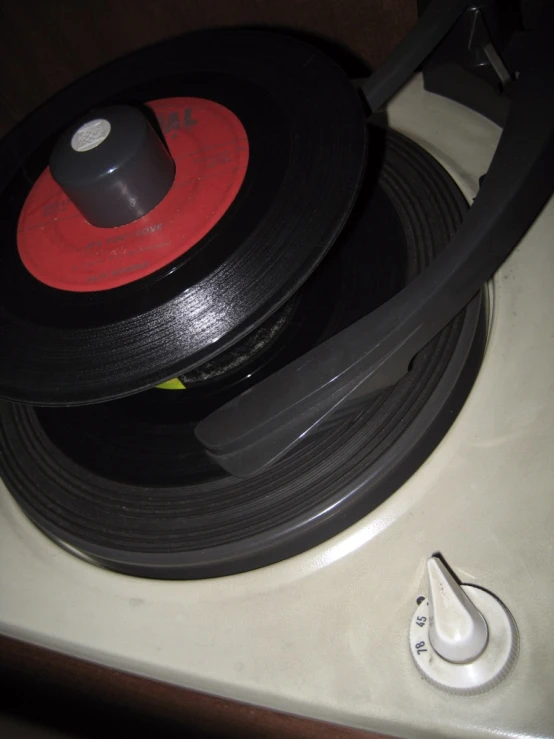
(276, 374)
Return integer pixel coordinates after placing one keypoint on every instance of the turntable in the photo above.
(276, 375)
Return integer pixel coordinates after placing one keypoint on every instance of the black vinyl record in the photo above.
(127, 484)
(306, 134)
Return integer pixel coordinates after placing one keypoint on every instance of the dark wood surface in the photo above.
(85, 700)
(45, 45)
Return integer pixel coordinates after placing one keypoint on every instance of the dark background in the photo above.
(45, 45)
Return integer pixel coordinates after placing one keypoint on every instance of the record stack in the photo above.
(214, 216)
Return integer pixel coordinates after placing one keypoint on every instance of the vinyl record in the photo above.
(126, 484)
(304, 129)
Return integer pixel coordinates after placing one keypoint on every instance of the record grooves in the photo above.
(211, 524)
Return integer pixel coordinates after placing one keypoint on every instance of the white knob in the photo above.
(457, 631)
(462, 638)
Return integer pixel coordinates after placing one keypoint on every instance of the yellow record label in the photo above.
(174, 384)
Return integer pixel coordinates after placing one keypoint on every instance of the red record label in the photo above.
(61, 249)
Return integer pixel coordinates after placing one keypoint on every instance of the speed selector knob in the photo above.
(462, 638)
(457, 630)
